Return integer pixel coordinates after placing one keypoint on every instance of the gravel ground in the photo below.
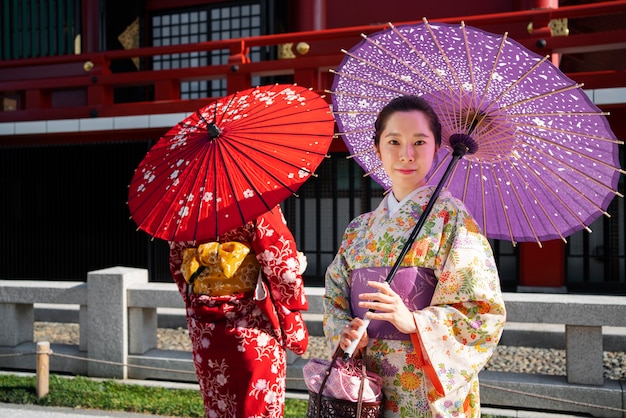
(505, 359)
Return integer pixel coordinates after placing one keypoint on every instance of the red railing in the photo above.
(83, 86)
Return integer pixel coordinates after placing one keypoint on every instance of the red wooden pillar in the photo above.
(90, 26)
(542, 266)
(311, 15)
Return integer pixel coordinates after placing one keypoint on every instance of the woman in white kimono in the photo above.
(439, 321)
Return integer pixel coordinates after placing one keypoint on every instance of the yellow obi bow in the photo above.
(228, 268)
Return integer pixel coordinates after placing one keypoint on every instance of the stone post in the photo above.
(583, 345)
(107, 338)
(16, 325)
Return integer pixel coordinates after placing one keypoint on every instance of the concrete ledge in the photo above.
(155, 364)
(150, 295)
(542, 308)
(552, 393)
(121, 305)
(42, 291)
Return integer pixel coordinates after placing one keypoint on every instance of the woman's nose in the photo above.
(407, 153)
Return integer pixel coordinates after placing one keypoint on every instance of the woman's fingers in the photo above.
(349, 333)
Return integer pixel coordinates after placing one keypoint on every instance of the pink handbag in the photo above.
(339, 388)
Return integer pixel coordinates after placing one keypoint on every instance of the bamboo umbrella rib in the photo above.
(355, 131)
(431, 83)
(343, 93)
(563, 203)
(440, 165)
(502, 203)
(360, 153)
(571, 186)
(374, 170)
(543, 209)
(482, 194)
(486, 89)
(566, 132)
(489, 136)
(471, 72)
(369, 82)
(443, 55)
(519, 201)
(353, 112)
(571, 167)
(466, 182)
(490, 132)
(382, 69)
(560, 113)
(528, 72)
(541, 96)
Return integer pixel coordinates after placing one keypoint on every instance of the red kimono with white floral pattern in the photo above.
(238, 344)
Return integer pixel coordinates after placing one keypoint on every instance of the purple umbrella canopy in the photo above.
(547, 163)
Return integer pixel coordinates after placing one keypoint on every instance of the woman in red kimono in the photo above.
(241, 322)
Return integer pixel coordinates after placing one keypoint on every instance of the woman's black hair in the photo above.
(407, 104)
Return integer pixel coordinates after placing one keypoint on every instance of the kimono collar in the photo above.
(392, 203)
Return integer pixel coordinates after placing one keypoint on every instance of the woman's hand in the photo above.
(349, 333)
(388, 306)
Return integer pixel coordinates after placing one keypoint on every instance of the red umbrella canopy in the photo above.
(230, 162)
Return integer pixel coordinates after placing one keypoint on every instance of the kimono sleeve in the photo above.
(336, 300)
(277, 254)
(281, 265)
(461, 328)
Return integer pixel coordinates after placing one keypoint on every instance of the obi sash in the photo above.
(220, 269)
(415, 285)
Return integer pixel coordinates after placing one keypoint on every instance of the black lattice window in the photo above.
(38, 28)
(212, 22)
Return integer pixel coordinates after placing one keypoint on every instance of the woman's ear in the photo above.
(377, 151)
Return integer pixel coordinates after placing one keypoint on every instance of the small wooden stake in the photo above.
(43, 368)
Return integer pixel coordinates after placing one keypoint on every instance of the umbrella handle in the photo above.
(361, 330)
(462, 144)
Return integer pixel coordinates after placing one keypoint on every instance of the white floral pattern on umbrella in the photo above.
(230, 162)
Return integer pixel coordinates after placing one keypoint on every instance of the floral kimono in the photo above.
(448, 279)
(241, 321)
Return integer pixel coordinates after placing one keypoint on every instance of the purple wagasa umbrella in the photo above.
(546, 163)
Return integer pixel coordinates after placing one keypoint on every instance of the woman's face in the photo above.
(407, 149)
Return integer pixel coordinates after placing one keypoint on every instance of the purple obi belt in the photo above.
(415, 285)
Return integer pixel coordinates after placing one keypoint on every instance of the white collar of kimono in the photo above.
(392, 203)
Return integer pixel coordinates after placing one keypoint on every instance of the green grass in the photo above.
(109, 395)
